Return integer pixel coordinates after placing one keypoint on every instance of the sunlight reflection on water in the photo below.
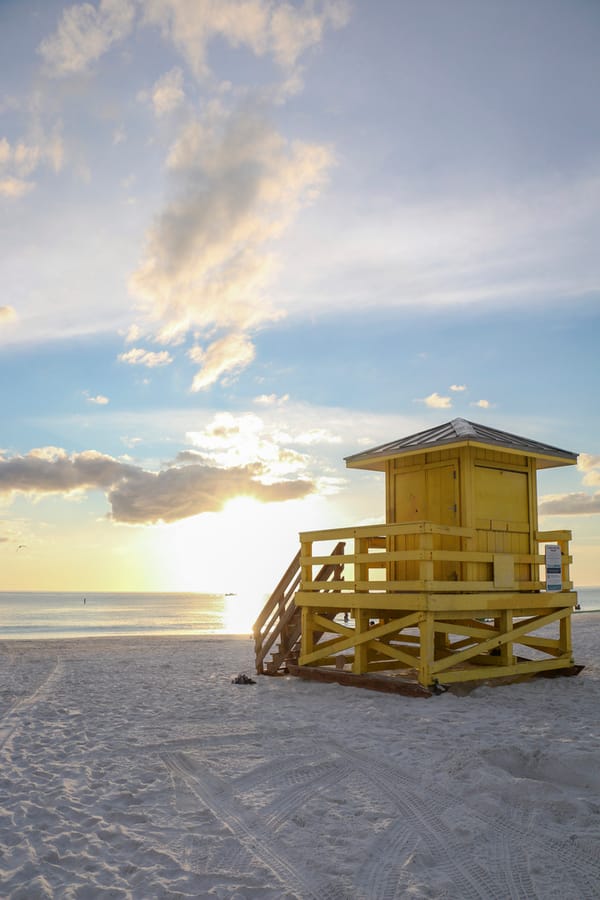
(46, 615)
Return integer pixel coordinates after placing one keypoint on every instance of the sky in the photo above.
(243, 240)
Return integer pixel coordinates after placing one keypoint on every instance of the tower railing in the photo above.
(373, 564)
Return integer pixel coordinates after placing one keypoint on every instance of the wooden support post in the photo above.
(307, 642)
(504, 625)
(426, 657)
(361, 653)
(440, 643)
(565, 643)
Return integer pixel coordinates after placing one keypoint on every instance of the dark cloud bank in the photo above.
(139, 496)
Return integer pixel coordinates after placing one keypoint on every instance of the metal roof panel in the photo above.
(460, 431)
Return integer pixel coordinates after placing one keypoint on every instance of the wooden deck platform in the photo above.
(409, 686)
(385, 684)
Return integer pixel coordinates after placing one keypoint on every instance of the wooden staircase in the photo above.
(278, 629)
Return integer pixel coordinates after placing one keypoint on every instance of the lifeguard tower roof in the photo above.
(460, 433)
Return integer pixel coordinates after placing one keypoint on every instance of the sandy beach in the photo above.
(134, 768)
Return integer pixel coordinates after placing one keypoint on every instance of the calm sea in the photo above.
(56, 615)
(59, 615)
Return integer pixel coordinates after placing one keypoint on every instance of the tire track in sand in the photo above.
(423, 813)
(250, 829)
(12, 719)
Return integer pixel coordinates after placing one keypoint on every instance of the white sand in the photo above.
(134, 768)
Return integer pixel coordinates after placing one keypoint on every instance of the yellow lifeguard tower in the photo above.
(458, 584)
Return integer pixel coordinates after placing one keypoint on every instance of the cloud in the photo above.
(98, 400)
(237, 185)
(483, 404)
(245, 440)
(317, 436)
(7, 314)
(15, 187)
(167, 93)
(226, 356)
(279, 30)
(51, 470)
(591, 466)
(435, 401)
(139, 496)
(23, 158)
(137, 356)
(271, 400)
(458, 387)
(575, 504)
(180, 492)
(131, 441)
(454, 248)
(284, 32)
(294, 30)
(84, 34)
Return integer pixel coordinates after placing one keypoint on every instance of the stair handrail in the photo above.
(279, 610)
(267, 628)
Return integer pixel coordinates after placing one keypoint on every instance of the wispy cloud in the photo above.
(84, 34)
(238, 184)
(458, 387)
(15, 187)
(284, 32)
(271, 399)
(482, 404)
(21, 159)
(152, 359)
(458, 248)
(98, 400)
(224, 357)
(167, 92)
(279, 30)
(436, 401)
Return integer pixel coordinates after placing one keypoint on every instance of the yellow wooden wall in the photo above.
(474, 487)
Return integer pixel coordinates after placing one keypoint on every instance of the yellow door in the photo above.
(429, 494)
(502, 516)
(442, 507)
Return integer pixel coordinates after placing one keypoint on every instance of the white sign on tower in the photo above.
(553, 568)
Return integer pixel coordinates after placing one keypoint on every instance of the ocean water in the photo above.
(59, 615)
(66, 615)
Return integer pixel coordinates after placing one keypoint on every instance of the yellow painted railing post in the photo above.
(306, 570)
(361, 653)
(307, 642)
(361, 569)
(425, 542)
(426, 657)
(565, 642)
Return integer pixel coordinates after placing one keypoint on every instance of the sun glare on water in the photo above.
(239, 613)
(240, 552)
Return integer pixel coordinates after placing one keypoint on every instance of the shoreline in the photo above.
(125, 635)
(183, 634)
